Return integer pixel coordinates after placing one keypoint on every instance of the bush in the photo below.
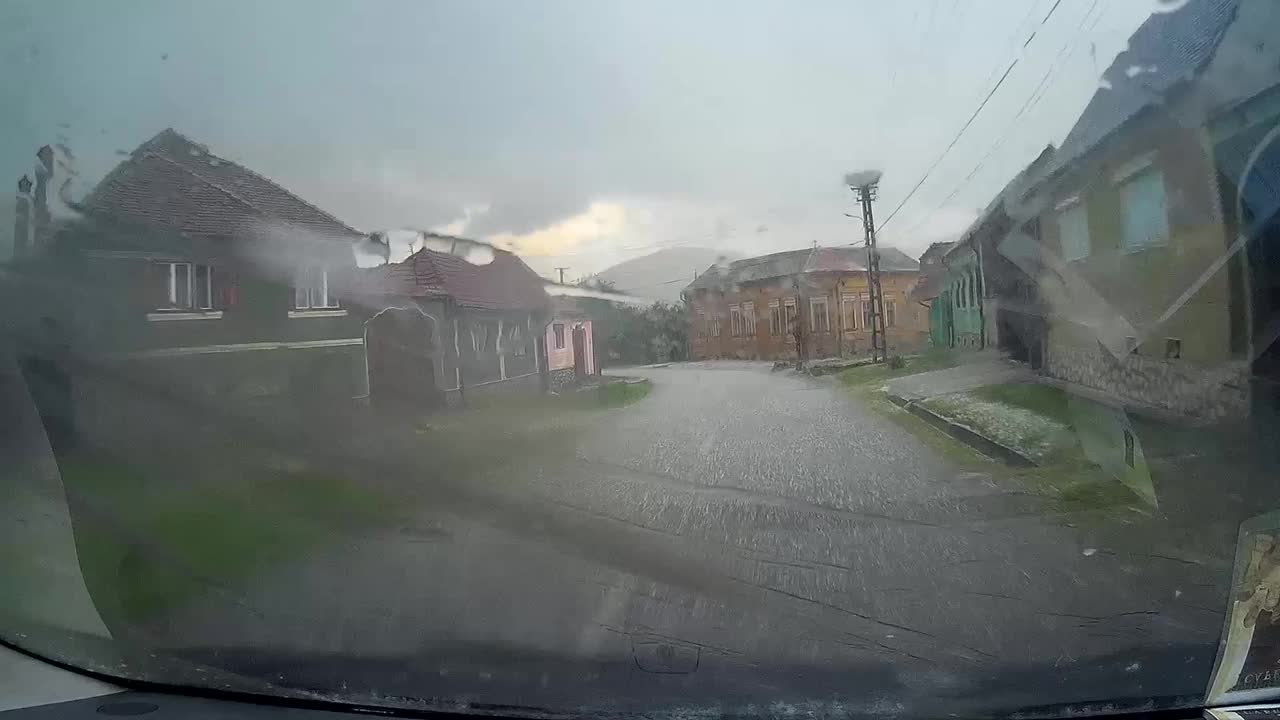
(896, 362)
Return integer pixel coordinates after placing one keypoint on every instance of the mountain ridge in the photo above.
(661, 275)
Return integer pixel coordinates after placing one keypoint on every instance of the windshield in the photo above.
(833, 358)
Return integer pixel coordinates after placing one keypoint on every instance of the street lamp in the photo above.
(864, 184)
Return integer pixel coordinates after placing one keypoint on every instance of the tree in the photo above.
(629, 335)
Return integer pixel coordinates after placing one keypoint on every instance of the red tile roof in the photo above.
(506, 283)
(178, 185)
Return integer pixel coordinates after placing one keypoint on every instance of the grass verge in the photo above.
(1040, 421)
(873, 376)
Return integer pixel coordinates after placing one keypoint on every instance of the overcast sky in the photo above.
(581, 133)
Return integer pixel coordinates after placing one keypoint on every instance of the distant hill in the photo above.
(662, 275)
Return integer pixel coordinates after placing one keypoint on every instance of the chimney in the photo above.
(22, 219)
(44, 173)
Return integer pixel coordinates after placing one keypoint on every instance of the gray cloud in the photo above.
(407, 113)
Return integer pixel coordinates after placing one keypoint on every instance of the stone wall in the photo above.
(1174, 386)
(562, 379)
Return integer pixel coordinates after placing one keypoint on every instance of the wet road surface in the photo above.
(742, 534)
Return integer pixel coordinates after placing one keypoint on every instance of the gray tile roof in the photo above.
(1167, 49)
(505, 283)
(797, 262)
(1012, 191)
(178, 185)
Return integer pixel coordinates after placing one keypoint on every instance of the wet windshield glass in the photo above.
(836, 358)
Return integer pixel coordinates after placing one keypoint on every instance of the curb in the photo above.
(979, 442)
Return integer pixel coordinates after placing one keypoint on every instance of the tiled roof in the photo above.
(505, 283)
(796, 262)
(1167, 49)
(177, 184)
(1010, 193)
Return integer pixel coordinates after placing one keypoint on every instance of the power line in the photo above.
(1042, 22)
(1027, 105)
(950, 145)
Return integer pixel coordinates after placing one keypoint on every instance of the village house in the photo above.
(985, 298)
(188, 287)
(443, 327)
(751, 308)
(570, 345)
(927, 289)
(1156, 219)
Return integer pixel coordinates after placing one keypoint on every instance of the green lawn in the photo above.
(159, 528)
(1042, 399)
(1078, 445)
(1037, 425)
(615, 395)
(872, 376)
(150, 539)
(1039, 420)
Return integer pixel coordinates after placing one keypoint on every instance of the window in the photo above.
(973, 288)
(558, 330)
(849, 308)
(484, 338)
(186, 286)
(715, 324)
(515, 340)
(866, 310)
(735, 321)
(819, 319)
(1073, 231)
(775, 318)
(311, 290)
(890, 313)
(1172, 348)
(1145, 218)
(789, 315)
(749, 319)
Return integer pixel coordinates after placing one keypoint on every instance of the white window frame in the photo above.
(775, 313)
(1134, 172)
(1066, 210)
(749, 319)
(557, 335)
(855, 311)
(715, 324)
(814, 326)
(192, 270)
(305, 296)
(735, 321)
(789, 315)
(890, 312)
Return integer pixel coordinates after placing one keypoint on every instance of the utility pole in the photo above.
(562, 269)
(865, 185)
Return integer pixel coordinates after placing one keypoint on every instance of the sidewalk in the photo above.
(992, 371)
